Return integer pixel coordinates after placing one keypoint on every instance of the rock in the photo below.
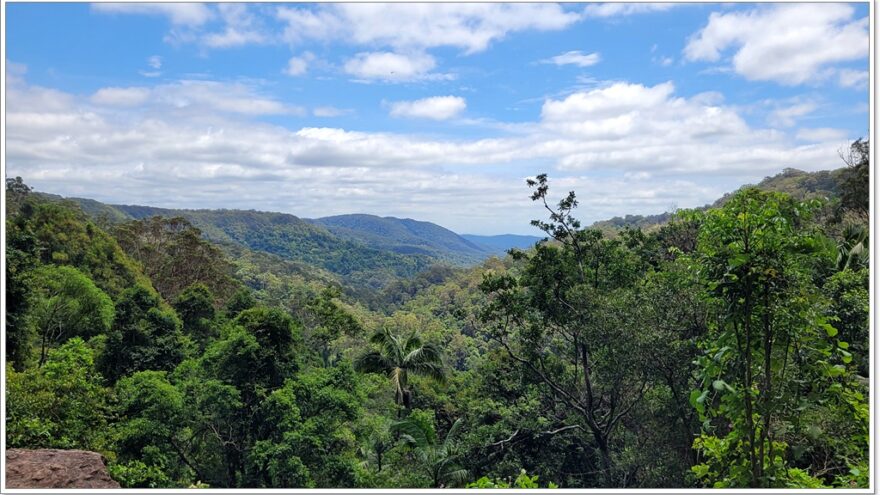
(53, 468)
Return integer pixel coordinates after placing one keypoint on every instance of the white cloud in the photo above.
(857, 79)
(575, 57)
(786, 43)
(298, 66)
(155, 62)
(123, 97)
(331, 112)
(392, 67)
(182, 14)
(434, 108)
(821, 134)
(193, 97)
(241, 28)
(199, 144)
(406, 27)
(624, 9)
(788, 116)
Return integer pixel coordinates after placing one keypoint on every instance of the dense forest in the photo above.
(724, 346)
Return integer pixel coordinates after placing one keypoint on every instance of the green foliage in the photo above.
(772, 345)
(59, 405)
(522, 481)
(295, 239)
(727, 347)
(195, 307)
(67, 304)
(849, 310)
(305, 437)
(855, 186)
(21, 259)
(145, 336)
(174, 255)
(398, 356)
(136, 474)
(63, 236)
(329, 322)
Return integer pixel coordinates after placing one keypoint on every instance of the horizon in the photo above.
(322, 110)
(537, 232)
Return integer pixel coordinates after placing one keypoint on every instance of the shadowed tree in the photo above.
(438, 459)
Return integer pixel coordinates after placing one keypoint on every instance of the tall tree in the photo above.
(856, 184)
(769, 344)
(568, 320)
(398, 356)
(67, 304)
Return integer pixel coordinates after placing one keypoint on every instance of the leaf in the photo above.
(720, 385)
(830, 330)
(843, 345)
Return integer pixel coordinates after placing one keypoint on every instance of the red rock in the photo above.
(53, 468)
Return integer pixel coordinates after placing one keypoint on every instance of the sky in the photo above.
(438, 112)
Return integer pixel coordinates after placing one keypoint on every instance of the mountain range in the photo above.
(363, 249)
(368, 250)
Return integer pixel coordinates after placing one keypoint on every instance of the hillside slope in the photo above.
(405, 236)
(797, 183)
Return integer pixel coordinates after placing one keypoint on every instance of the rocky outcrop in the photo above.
(52, 468)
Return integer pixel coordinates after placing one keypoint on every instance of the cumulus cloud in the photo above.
(574, 57)
(202, 144)
(786, 43)
(434, 108)
(392, 67)
(403, 26)
(182, 14)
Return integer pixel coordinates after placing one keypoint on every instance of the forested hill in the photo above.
(371, 251)
(366, 251)
(291, 238)
(405, 236)
(797, 183)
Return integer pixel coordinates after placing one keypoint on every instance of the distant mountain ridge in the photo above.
(405, 236)
(363, 249)
(368, 250)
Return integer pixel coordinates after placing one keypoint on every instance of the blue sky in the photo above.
(435, 112)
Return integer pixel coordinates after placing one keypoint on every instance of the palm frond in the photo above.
(453, 432)
(412, 433)
(413, 341)
(434, 371)
(454, 478)
(372, 362)
(424, 353)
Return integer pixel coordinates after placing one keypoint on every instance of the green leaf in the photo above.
(843, 345)
(830, 330)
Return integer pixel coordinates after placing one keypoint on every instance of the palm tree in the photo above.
(852, 250)
(439, 460)
(397, 357)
